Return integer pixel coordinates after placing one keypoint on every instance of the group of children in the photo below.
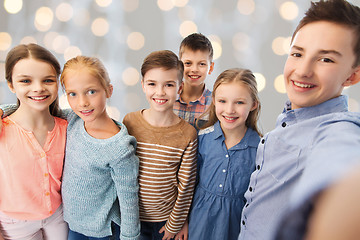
(194, 165)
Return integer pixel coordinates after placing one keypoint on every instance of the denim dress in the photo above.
(223, 178)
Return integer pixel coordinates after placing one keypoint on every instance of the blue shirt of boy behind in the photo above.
(223, 177)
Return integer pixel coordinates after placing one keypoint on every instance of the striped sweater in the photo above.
(167, 170)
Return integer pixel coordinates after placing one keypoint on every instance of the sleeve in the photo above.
(186, 184)
(125, 175)
(8, 109)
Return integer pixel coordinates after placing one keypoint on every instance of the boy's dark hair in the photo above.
(197, 41)
(164, 59)
(335, 11)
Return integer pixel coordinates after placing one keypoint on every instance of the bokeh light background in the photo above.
(252, 34)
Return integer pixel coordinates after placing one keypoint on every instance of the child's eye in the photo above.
(295, 54)
(203, 64)
(221, 101)
(71, 94)
(170, 85)
(91, 92)
(151, 84)
(49, 81)
(239, 102)
(328, 60)
(187, 63)
(25, 81)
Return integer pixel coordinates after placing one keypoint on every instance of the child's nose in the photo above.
(83, 101)
(38, 87)
(305, 68)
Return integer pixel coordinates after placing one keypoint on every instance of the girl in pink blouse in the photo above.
(32, 144)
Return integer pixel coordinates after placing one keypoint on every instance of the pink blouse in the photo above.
(30, 175)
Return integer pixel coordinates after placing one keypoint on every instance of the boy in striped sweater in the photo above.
(166, 147)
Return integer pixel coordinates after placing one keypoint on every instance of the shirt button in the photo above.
(226, 155)
(47, 194)
(250, 189)
(224, 170)
(263, 141)
(46, 174)
(220, 185)
(283, 124)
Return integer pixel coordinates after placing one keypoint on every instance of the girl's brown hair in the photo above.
(37, 52)
(245, 77)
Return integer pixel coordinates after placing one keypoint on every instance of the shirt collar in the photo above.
(251, 138)
(338, 104)
(201, 99)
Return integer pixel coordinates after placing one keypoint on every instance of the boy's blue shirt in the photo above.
(319, 142)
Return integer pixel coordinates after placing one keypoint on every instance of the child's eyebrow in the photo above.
(330, 52)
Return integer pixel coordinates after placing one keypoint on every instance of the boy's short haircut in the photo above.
(164, 59)
(195, 42)
(335, 11)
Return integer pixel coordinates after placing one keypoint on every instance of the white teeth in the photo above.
(194, 77)
(86, 111)
(230, 118)
(160, 101)
(302, 85)
(39, 98)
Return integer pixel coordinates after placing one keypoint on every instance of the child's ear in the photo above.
(255, 106)
(180, 88)
(11, 87)
(110, 92)
(211, 68)
(354, 78)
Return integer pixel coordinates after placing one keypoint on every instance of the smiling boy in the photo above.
(166, 147)
(316, 139)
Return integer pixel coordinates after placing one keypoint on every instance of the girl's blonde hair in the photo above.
(39, 53)
(93, 65)
(245, 77)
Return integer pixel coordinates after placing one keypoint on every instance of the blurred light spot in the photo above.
(64, 12)
(279, 84)
(60, 44)
(132, 100)
(100, 27)
(28, 39)
(82, 17)
(353, 105)
(241, 41)
(49, 39)
(278, 46)
(130, 76)
(261, 81)
(43, 19)
(63, 102)
(286, 45)
(2, 74)
(186, 13)
(5, 41)
(289, 10)
(130, 5)
(246, 7)
(13, 6)
(165, 5)
(113, 112)
(103, 3)
(135, 41)
(180, 3)
(187, 27)
(71, 52)
(216, 44)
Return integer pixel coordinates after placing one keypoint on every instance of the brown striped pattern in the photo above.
(167, 170)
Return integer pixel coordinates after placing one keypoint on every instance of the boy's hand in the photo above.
(183, 234)
(167, 235)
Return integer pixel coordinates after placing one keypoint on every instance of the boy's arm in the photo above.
(186, 183)
(336, 214)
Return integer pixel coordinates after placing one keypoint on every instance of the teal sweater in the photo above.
(100, 182)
